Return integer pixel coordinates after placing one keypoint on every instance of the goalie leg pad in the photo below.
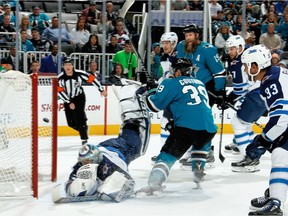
(82, 187)
(116, 187)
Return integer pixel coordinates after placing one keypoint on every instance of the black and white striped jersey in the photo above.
(70, 87)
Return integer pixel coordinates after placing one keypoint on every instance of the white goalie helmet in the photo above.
(170, 36)
(258, 54)
(91, 153)
(235, 41)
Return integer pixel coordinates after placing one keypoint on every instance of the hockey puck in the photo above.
(46, 120)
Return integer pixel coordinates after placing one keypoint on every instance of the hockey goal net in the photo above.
(28, 132)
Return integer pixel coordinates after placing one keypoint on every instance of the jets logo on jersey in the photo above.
(234, 62)
(266, 78)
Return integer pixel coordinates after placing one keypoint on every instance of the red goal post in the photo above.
(28, 132)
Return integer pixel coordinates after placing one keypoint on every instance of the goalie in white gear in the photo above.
(274, 137)
(168, 42)
(102, 170)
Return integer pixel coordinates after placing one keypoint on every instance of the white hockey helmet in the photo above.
(258, 54)
(90, 152)
(170, 36)
(235, 41)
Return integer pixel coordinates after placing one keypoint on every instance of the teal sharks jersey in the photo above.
(186, 99)
(206, 63)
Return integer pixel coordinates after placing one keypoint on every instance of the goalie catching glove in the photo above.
(258, 147)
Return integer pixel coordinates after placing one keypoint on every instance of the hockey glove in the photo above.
(231, 98)
(258, 147)
(152, 86)
(220, 99)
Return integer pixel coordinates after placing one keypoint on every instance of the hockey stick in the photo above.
(232, 107)
(221, 157)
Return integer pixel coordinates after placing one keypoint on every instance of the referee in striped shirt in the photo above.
(70, 90)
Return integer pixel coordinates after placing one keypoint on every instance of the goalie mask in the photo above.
(182, 64)
(89, 153)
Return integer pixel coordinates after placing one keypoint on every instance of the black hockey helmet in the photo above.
(191, 28)
(68, 60)
(182, 64)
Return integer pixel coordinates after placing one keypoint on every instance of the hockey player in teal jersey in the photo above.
(186, 99)
(207, 67)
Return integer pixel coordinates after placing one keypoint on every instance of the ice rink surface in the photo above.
(223, 191)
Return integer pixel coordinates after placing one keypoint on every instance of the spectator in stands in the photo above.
(34, 67)
(217, 22)
(39, 20)
(49, 64)
(25, 25)
(80, 33)
(180, 5)
(229, 18)
(13, 3)
(275, 59)
(255, 26)
(279, 7)
(26, 45)
(221, 37)
(249, 36)
(238, 24)
(264, 7)
(158, 4)
(196, 5)
(52, 33)
(214, 8)
(271, 40)
(7, 27)
(156, 69)
(117, 74)
(92, 46)
(11, 58)
(7, 11)
(109, 26)
(91, 13)
(283, 28)
(111, 15)
(93, 69)
(40, 44)
(271, 8)
(271, 18)
(113, 45)
(120, 33)
(128, 60)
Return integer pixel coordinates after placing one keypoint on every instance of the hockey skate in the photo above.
(259, 202)
(210, 159)
(246, 165)
(272, 207)
(232, 148)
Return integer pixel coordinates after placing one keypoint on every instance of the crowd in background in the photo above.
(266, 22)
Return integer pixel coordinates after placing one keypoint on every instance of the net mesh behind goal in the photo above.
(28, 132)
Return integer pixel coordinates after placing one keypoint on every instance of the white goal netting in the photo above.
(20, 112)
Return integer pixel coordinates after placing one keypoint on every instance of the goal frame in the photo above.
(34, 105)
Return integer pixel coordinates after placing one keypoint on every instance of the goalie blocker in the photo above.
(101, 172)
